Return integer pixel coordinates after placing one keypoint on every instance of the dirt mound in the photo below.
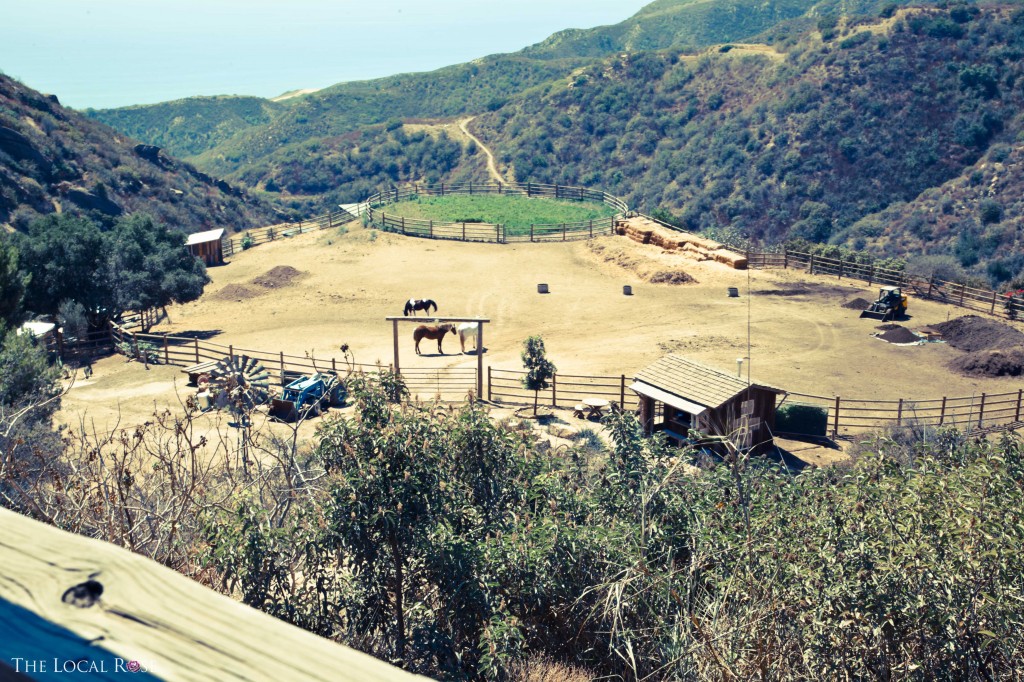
(991, 363)
(887, 327)
(899, 335)
(277, 277)
(235, 292)
(857, 304)
(972, 333)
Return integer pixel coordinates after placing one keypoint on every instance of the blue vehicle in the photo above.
(308, 395)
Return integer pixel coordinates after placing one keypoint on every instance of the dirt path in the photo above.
(492, 169)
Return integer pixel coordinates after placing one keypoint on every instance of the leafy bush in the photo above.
(809, 420)
(247, 241)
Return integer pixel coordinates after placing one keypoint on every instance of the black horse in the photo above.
(414, 304)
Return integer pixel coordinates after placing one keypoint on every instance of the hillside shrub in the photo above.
(810, 420)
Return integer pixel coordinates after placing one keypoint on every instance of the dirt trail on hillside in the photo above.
(492, 169)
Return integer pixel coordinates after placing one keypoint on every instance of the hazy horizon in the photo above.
(116, 53)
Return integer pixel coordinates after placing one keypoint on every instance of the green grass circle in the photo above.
(516, 213)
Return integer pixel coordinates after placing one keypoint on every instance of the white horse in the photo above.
(469, 330)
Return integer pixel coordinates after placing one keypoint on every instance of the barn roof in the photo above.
(692, 382)
(203, 237)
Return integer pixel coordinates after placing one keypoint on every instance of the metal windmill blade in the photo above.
(244, 379)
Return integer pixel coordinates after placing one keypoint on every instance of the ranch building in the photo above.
(677, 394)
(207, 246)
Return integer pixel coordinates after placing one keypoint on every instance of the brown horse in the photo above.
(438, 332)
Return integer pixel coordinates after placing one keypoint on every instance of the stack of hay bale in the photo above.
(646, 231)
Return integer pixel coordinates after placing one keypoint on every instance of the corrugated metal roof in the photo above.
(203, 237)
(695, 382)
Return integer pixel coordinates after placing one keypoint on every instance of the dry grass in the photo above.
(543, 669)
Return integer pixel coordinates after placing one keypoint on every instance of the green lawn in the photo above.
(516, 213)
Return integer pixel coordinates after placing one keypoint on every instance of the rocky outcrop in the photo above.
(151, 153)
(89, 201)
(20, 148)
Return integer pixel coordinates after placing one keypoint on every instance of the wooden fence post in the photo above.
(785, 258)
(231, 351)
(981, 411)
(197, 351)
(963, 288)
(942, 412)
(282, 367)
(431, 228)
(810, 269)
(554, 390)
(1020, 394)
(841, 268)
(993, 310)
(463, 231)
(334, 366)
(489, 367)
(899, 413)
(622, 391)
(835, 419)
(167, 356)
(591, 228)
(931, 283)
(531, 232)
(563, 231)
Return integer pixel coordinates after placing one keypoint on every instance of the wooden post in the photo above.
(442, 189)
(463, 231)
(785, 258)
(394, 324)
(531, 232)
(470, 188)
(811, 267)
(330, 220)
(431, 228)
(554, 390)
(334, 366)
(480, 363)
(931, 283)
(488, 366)
(197, 350)
(963, 287)
(563, 232)
(282, 368)
(899, 413)
(981, 411)
(942, 411)
(231, 351)
(167, 356)
(840, 268)
(591, 228)
(835, 419)
(403, 224)
(993, 310)
(497, 233)
(529, 189)
(1020, 394)
(622, 391)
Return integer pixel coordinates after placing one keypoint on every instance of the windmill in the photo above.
(241, 383)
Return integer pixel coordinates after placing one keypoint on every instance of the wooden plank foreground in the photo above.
(149, 623)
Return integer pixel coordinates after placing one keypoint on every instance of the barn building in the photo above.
(677, 394)
(207, 246)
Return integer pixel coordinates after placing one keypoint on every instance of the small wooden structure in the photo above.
(207, 246)
(72, 604)
(677, 394)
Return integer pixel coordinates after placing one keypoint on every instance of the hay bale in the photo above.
(734, 260)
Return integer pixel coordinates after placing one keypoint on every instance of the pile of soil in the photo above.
(235, 292)
(857, 304)
(972, 333)
(991, 363)
(887, 327)
(277, 277)
(899, 335)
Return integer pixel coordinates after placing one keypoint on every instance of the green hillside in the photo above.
(809, 144)
(190, 126)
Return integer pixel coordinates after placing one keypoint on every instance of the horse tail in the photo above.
(431, 303)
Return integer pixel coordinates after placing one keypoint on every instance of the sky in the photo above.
(113, 53)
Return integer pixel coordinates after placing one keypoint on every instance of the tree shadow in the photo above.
(200, 335)
(475, 351)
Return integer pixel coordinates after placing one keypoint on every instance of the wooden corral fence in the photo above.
(447, 382)
(249, 238)
(984, 412)
(961, 295)
(487, 232)
(566, 390)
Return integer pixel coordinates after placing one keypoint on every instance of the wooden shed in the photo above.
(207, 246)
(677, 394)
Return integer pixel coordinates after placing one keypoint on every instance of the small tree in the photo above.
(538, 368)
